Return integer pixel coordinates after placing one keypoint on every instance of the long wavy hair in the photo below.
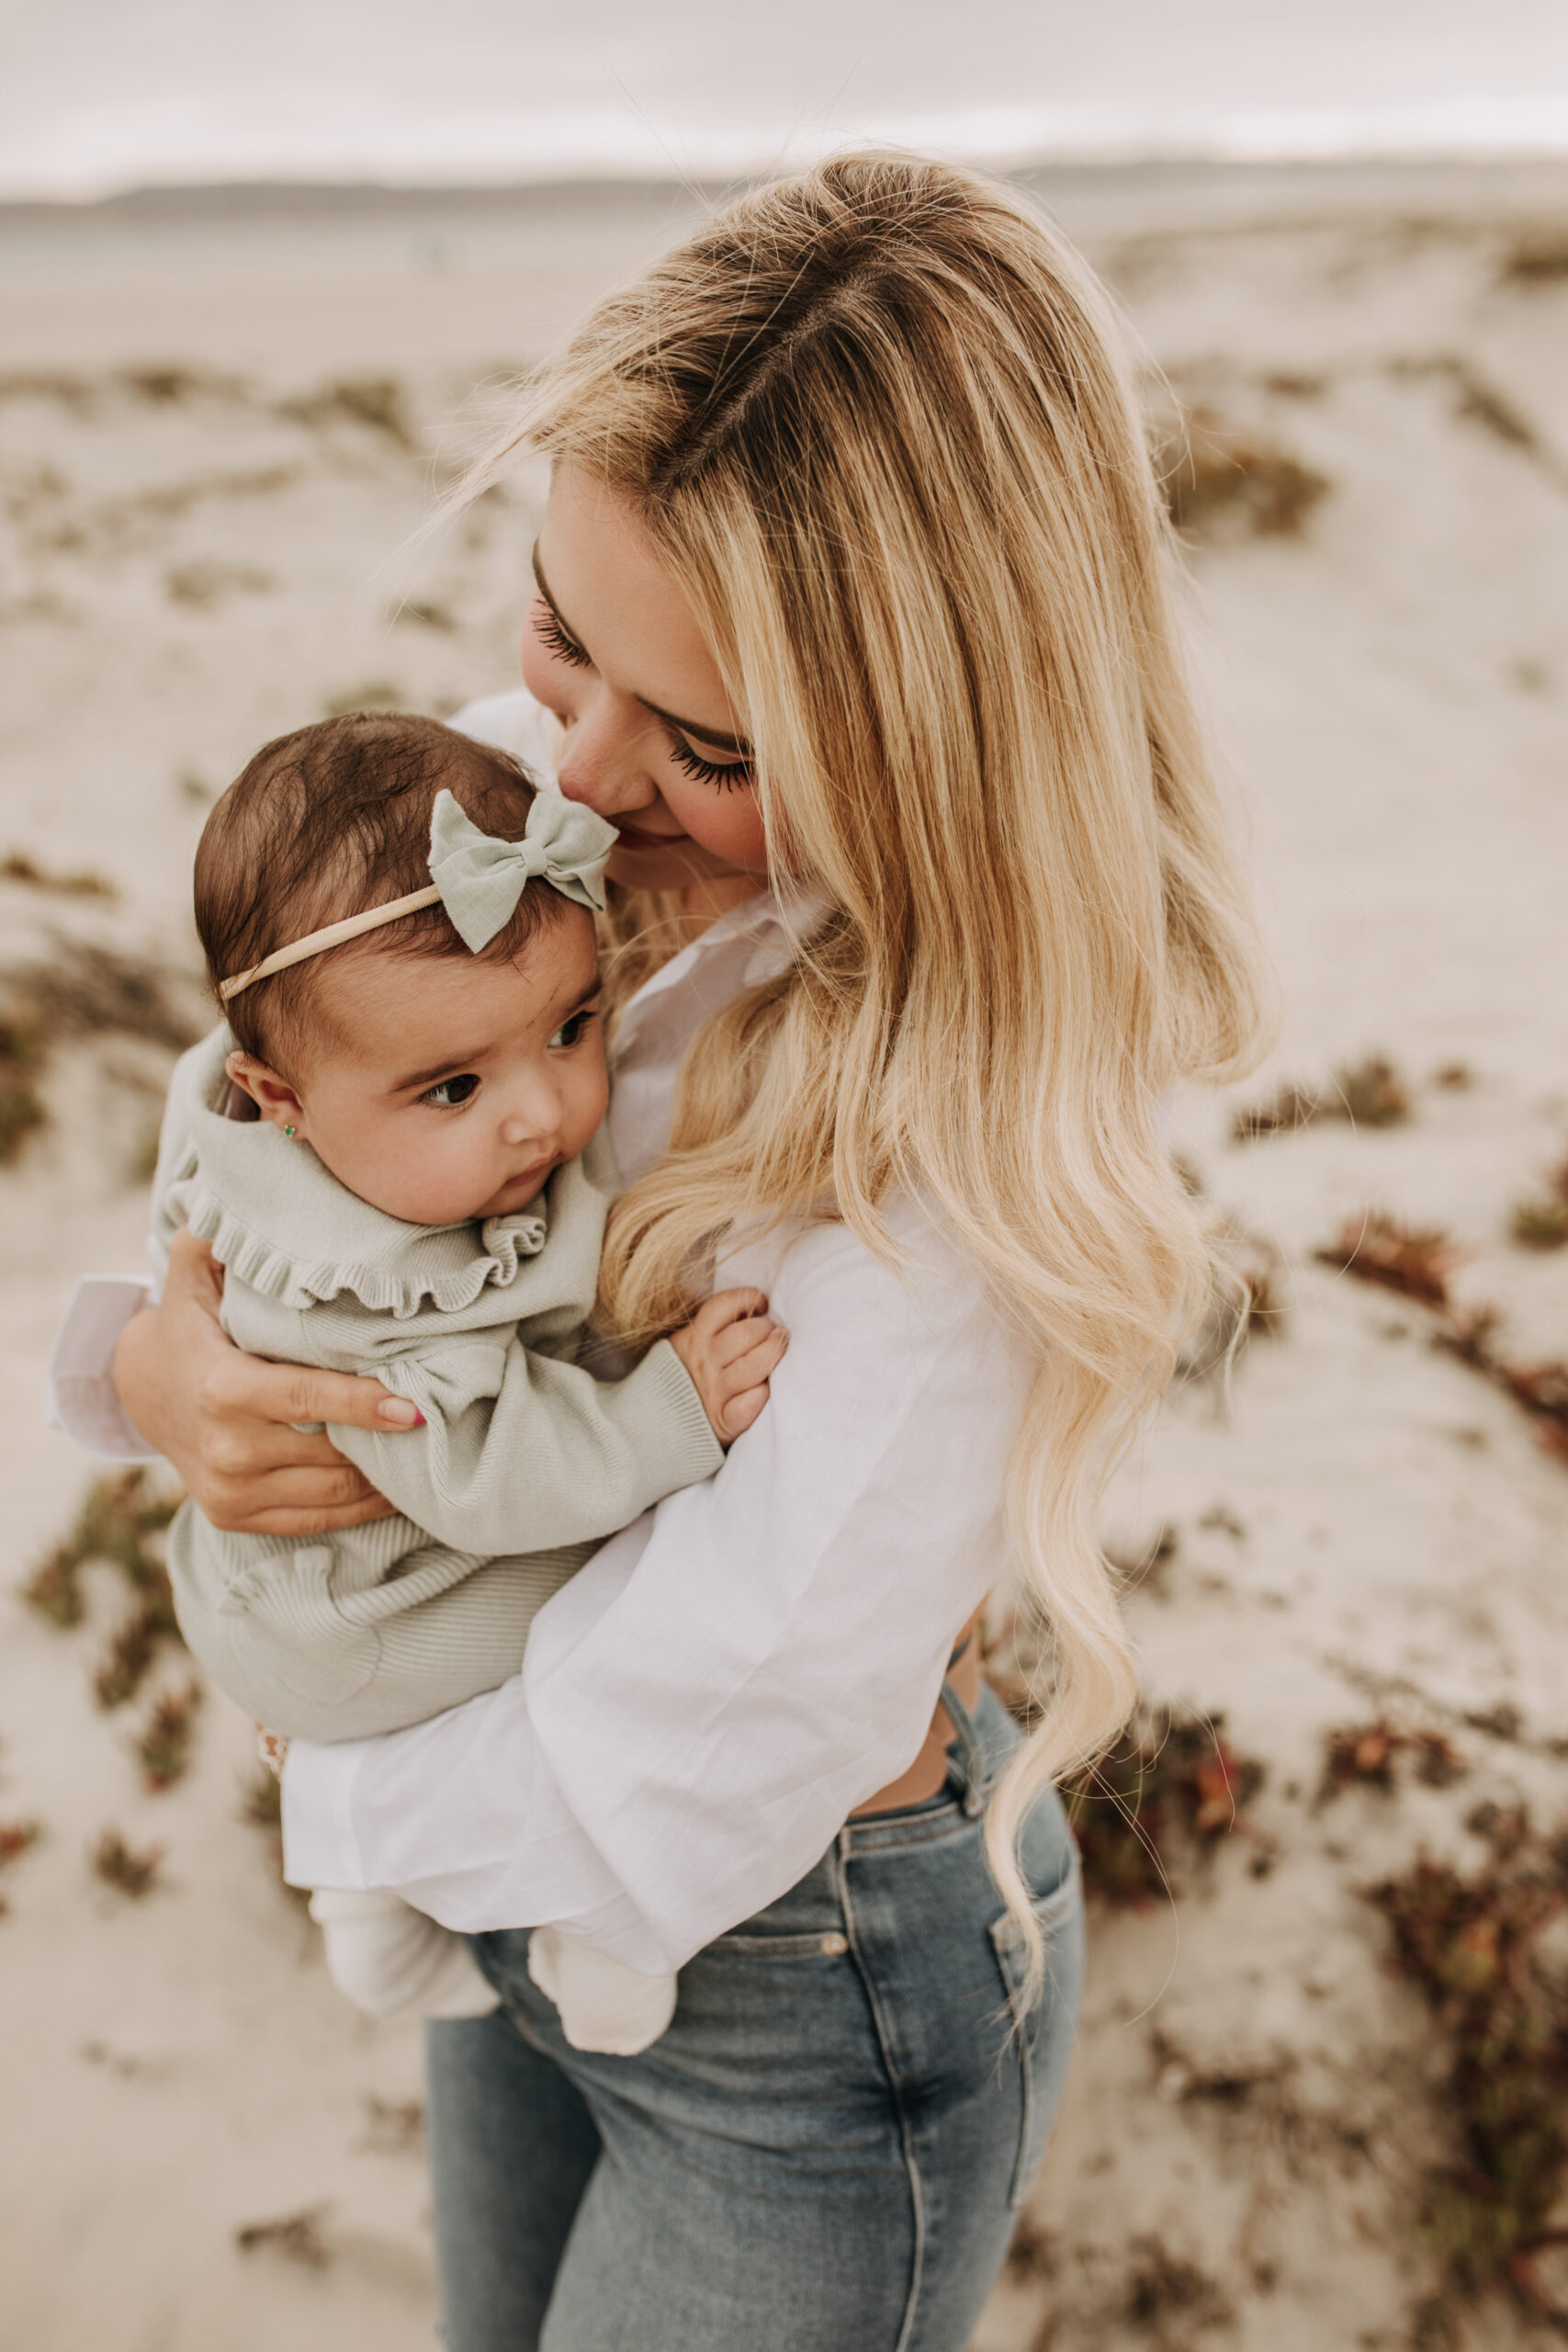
(879, 423)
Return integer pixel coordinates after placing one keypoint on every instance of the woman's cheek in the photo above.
(729, 824)
(539, 672)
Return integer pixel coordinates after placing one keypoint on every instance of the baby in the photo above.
(401, 932)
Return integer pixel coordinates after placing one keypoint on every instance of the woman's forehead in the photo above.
(614, 593)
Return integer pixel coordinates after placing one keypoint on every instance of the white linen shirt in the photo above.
(729, 1678)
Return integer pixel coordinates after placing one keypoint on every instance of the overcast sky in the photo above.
(101, 94)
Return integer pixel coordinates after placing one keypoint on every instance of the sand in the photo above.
(206, 543)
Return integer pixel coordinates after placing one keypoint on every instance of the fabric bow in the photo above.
(480, 879)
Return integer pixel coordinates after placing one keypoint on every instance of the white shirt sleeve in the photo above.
(704, 1704)
(79, 1395)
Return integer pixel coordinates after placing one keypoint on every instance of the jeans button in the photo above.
(834, 1946)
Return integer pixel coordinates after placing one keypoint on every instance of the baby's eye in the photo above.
(451, 1091)
(572, 1033)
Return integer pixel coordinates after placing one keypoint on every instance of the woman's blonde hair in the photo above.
(877, 421)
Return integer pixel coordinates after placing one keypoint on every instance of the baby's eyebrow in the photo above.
(453, 1063)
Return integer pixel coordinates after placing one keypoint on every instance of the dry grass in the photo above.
(1221, 478)
(1471, 1946)
(129, 1872)
(120, 1520)
(1414, 1260)
(21, 1065)
(17, 1838)
(1539, 1390)
(88, 991)
(1366, 1755)
(1542, 1222)
(18, 867)
(376, 402)
(296, 2236)
(164, 1748)
(1537, 259)
(1157, 1802)
(1368, 1093)
(261, 1807)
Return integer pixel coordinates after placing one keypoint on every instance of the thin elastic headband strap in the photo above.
(316, 942)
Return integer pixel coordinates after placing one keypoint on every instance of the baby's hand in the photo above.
(730, 1348)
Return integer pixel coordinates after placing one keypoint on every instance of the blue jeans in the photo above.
(824, 2153)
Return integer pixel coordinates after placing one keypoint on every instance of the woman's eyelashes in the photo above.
(452, 1092)
(551, 635)
(729, 774)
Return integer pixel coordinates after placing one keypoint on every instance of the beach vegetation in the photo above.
(1368, 1093)
(1221, 477)
(1472, 1946)
(1156, 1803)
(17, 1838)
(1538, 258)
(1365, 1756)
(21, 1062)
(1540, 1222)
(120, 1519)
(1414, 1260)
(17, 866)
(131, 1870)
(165, 1746)
(297, 2236)
(376, 402)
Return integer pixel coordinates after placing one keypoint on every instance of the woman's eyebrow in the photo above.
(714, 735)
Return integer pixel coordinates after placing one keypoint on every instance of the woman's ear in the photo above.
(272, 1094)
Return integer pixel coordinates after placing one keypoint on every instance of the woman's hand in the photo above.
(223, 1419)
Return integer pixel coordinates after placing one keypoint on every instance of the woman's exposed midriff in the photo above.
(925, 1776)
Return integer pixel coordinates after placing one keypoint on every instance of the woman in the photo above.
(853, 609)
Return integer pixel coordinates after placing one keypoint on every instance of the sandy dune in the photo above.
(217, 437)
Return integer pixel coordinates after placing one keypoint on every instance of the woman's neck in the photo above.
(705, 901)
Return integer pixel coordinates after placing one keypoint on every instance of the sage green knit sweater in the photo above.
(525, 1463)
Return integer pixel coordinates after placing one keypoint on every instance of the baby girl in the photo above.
(394, 1151)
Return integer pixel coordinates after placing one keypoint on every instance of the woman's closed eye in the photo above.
(452, 1092)
(730, 774)
(551, 635)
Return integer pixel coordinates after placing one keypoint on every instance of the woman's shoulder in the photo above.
(909, 1283)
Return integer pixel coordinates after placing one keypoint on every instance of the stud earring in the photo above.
(288, 1131)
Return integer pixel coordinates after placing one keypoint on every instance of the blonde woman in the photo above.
(853, 611)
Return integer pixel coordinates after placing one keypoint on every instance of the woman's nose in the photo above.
(602, 765)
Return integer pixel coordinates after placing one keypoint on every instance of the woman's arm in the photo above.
(704, 1705)
(225, 1420)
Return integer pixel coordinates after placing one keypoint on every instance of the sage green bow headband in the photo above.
(477, 878)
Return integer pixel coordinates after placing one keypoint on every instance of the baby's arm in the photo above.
(522, 1453)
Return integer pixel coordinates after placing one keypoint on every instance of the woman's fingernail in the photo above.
(401, 1414)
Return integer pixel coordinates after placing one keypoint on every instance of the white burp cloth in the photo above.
(603, 2004)
(389, 1959)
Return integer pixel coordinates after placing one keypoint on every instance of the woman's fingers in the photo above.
(287, 1393)
(225, 1420)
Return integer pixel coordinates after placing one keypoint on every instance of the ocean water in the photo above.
(98, 95)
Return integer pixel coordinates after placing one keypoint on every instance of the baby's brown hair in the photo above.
(326, 822)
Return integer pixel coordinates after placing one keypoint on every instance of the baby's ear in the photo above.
(271, 1093)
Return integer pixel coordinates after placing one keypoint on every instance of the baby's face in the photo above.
(448, 1089)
